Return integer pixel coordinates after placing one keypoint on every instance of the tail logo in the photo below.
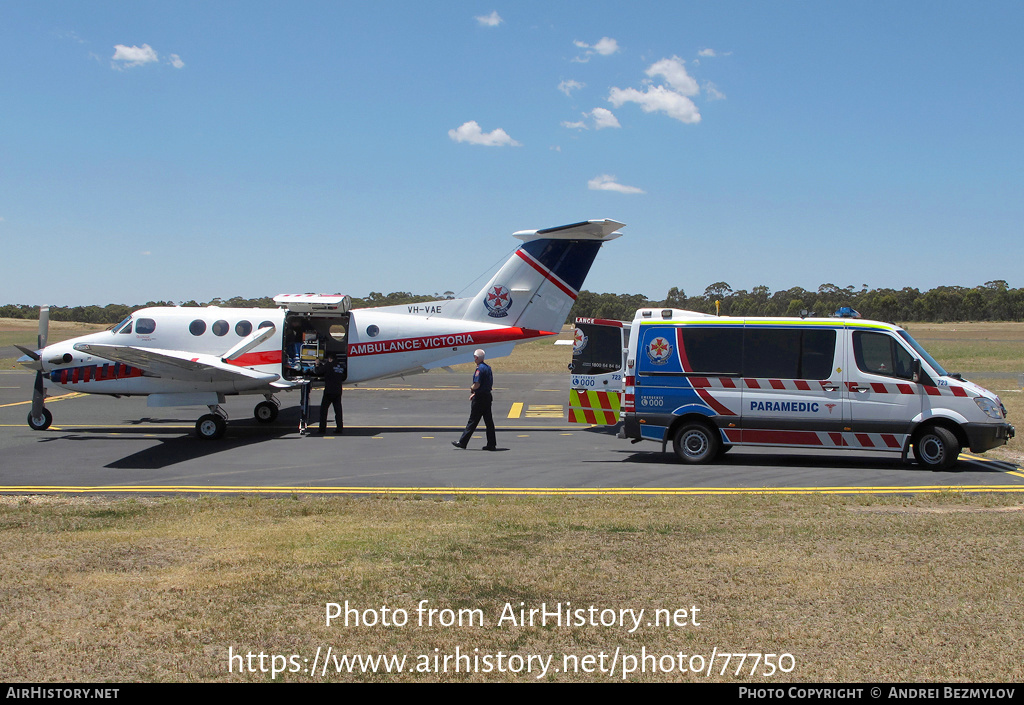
(498, 301)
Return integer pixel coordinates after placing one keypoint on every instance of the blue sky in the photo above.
(187, 150)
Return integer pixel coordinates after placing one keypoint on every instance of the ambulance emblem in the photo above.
(579, 342)
(498, 301)
(659, 351)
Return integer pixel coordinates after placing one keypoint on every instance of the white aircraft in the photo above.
(179, 356)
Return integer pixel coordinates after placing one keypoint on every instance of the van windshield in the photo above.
(923, 353)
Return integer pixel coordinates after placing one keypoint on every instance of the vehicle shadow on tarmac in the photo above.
(832, 461)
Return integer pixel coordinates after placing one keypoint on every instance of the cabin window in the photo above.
(266, 324)
(197, 327)
(220, 327)
(243, 328)
(145, 326)
(372, 331)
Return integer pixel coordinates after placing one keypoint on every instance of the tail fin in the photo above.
(538, 285)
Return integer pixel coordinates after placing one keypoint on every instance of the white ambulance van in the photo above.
(707, 383)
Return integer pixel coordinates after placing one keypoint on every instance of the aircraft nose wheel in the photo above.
(42, 423)
(211, 427)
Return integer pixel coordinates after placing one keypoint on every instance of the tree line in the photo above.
(991, 301)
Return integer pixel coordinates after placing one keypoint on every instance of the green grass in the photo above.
(856, 589)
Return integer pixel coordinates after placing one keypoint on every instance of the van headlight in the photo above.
(990, 408)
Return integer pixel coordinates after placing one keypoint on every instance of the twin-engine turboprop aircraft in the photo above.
(180, 356)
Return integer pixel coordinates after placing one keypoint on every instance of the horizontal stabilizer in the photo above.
(603, 230)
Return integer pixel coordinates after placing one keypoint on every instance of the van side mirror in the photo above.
(915, 370)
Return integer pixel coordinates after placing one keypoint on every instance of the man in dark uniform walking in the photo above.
(333, 371)
(480, 404)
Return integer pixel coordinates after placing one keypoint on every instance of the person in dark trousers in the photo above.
(480, 404)
(333, 371)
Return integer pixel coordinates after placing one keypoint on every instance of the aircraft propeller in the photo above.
(39, 418)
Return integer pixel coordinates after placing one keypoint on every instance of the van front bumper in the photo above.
(985, 436)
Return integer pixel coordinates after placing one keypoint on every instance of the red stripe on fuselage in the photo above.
(447, 340)
(269, 357)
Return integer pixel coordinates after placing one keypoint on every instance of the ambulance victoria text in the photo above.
(707, 383)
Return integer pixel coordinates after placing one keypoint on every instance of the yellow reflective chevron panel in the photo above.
(596, 408)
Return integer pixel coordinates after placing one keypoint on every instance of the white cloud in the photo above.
(672, 99)
(176, 61)
(711, 53)
(133, 55)
(657, 99)
(604, 118)
(606, 46)
(568, 87)
(605, 182)
(712, 92)
(491, 20)
(470, 132)
(674, 71)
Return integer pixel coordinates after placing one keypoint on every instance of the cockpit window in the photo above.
(126, 328)
(145, 326)
(119, 326)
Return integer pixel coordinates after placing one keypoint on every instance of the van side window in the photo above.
(712, 350)
(788, 353)
(880, 354)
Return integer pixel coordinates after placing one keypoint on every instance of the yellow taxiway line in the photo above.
(522, 491)
(62, 397)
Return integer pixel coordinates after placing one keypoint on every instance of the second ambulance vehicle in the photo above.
(706, 383)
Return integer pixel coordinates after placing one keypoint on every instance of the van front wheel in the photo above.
(936, 448)
(696, 443)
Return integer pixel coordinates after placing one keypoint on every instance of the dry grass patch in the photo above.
(857, 589)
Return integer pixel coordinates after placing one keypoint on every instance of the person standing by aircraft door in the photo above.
(333, 371)
(480, 404)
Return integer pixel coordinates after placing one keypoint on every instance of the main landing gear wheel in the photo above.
(211, 427)
(265, 412)
(696, 443)
(936, 448)
(42, 423)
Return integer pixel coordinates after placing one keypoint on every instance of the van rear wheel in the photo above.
(696, 443)
(936, 448)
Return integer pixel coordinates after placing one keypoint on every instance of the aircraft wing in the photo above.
(176, 364)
